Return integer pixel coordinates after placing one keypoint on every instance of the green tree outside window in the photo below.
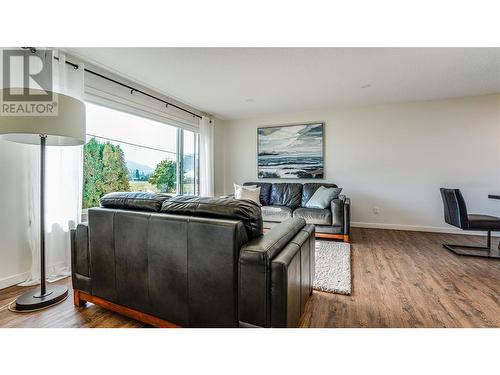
(104, 171)
(164, 176)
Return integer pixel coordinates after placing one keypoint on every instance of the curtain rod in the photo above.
(132, 89)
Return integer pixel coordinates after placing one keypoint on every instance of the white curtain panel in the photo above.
(206, 157)
(63, 189)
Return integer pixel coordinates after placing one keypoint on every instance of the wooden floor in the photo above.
(400, 279)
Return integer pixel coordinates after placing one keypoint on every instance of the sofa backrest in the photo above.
(137, 201)
(222, 208)
(166, 265)
(246, 211)
(286, 194)
(265, 191)
(310, 188)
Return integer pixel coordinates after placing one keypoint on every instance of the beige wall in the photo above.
(391, 157)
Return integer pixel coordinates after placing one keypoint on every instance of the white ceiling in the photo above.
(233, 83)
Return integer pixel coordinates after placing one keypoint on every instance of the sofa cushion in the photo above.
(331, 229)
(247, 192)
(310, 188)
(314, 215)
(134, 201)
(286, 194)
(265, 191)
(221, 208)
(276, 214)
(323, 197)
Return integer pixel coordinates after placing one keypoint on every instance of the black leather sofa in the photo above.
(192, 262)
(281, 201)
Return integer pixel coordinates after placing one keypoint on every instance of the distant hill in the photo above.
(132, 166)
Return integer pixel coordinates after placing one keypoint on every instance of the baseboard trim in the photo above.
(14, 279)
(419, 228)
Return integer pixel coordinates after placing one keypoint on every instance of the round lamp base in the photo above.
(34, 301)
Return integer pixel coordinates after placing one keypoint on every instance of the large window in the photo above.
(125, 152)
(190, 174)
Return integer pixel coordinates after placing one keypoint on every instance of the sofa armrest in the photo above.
(337, 208)
(347, 215)
(292, 276)
(80, 258)
(286, 287)
(341, 213)
(254, 298)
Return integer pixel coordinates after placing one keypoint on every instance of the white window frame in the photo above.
(119, 104)
(111, 95)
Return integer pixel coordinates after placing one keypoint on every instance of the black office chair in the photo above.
(455, 213)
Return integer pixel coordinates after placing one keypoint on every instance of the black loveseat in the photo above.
(281, 201)
(192, 262)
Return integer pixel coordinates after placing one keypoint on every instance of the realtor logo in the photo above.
(27, 80)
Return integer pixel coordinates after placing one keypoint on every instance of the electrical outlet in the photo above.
(376, 210)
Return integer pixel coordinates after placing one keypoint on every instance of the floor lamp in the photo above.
(66, 128)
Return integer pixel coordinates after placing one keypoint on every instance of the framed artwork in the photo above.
(290, 151)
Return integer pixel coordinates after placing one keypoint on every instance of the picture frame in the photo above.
(292, 151)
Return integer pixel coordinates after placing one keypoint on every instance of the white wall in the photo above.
(15, 255)
(394, 157)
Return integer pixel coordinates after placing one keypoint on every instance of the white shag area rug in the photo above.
(333, 267)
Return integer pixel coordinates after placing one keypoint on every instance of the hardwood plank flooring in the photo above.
(407, 279)
(400, 279)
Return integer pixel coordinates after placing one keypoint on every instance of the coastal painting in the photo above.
(290, 151)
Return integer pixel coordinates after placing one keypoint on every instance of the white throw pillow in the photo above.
(247, 192)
